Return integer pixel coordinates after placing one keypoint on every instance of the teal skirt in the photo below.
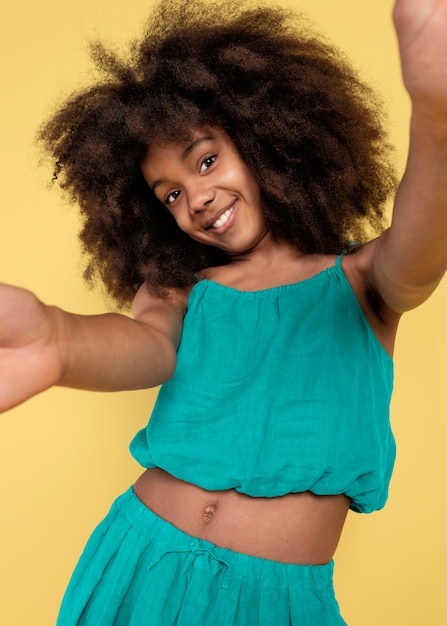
(139, 570)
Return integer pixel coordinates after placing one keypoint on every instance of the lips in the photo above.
(220, 219)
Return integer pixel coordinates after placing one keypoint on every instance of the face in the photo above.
(209, 190)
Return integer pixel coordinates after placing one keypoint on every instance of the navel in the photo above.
(209, 512)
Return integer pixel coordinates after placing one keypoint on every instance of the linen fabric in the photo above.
(139, 570)
(277, 391)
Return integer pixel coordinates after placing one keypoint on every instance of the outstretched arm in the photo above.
(42, 346)
(411, 256)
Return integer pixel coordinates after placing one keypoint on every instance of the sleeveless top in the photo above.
(276, 391)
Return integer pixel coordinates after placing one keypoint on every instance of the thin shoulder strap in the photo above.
(339, 258)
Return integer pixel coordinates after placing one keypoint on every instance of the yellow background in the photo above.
(63, 455)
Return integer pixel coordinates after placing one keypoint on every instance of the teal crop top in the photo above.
(276, 391)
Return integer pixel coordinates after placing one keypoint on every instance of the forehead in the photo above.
(187, 138)
(180, 147)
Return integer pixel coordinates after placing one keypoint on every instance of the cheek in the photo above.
(244, 177)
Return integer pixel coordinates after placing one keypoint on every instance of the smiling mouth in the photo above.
(222, 219)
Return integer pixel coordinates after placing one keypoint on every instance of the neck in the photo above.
(267, 253)
(270, 264)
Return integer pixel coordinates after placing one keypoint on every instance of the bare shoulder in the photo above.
(163, 313)
(358, 266)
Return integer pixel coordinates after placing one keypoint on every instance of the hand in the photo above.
(421, 27)
(29, 358)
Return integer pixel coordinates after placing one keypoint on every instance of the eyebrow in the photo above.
(185, 155)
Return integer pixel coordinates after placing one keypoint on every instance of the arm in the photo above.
(42, 346)
(410, 258)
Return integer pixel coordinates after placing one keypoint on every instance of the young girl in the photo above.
(228, 173)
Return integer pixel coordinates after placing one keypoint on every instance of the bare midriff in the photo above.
(300, 528)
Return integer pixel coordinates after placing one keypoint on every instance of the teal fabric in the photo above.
(277, 391)
(138, 570)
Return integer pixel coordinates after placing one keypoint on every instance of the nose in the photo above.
(200, 195)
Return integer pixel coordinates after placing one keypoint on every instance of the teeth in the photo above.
(222, 219)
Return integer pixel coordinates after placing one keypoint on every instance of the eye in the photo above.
(206, 163)
(172, 197)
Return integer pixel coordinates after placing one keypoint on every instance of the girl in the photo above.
(221, 171)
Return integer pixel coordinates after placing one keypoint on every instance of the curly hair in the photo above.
(309, 129)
